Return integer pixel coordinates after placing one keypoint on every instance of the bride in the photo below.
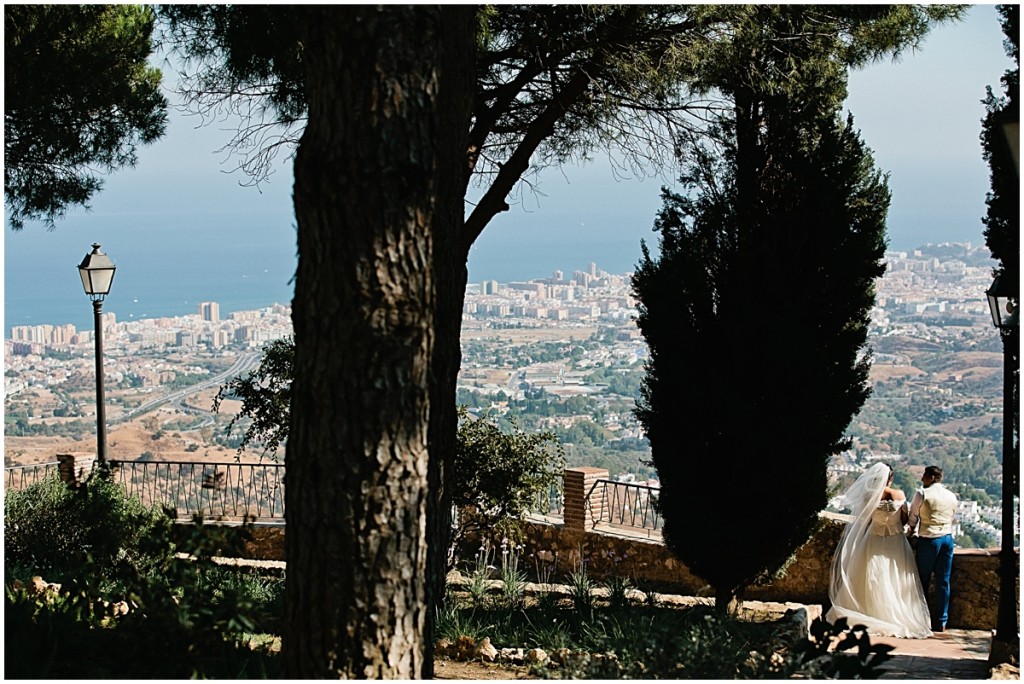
(874, 579)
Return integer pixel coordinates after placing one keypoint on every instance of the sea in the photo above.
(165, 267)
(167, 264)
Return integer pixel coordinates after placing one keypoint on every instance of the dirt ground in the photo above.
(885, 372)
(154, 432)
(451, 669)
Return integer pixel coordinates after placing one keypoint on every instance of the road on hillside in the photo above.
(244, 363)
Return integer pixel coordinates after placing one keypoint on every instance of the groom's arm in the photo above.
(915, 511)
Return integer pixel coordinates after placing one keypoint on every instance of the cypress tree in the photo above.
(756, 314)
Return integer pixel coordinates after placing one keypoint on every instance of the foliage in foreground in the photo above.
(80, 99)
(190, 618)
(661, 642)
(50, 527)
(596, 631)
(1002, 218)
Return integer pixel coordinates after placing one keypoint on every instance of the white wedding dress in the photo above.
(874, 578)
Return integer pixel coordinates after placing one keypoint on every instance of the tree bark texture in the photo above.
(366, 186)
(458, 85)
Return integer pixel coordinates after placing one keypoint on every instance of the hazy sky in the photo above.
(921, 116)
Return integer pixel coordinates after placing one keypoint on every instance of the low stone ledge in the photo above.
(975, 580)
(241, 563)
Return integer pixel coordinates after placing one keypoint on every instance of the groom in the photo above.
(931, 516)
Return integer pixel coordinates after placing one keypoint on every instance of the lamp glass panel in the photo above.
(101, 280)
(86, 281)
(994, 308)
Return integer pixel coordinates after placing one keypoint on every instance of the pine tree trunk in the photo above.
(366, 189)
(458, 83)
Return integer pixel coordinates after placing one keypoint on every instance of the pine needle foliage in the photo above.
(79, 100)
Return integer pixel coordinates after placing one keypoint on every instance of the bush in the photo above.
(499, 476)
(678, 644)
(699, 644)
(126, 590)
(52, 527)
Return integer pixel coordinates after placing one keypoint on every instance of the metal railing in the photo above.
(20, 477)
(232, 491)
(624, 504)
(552, 502)
(220, 491)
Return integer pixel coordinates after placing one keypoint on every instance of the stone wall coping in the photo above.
(959, 551)
(979, 552)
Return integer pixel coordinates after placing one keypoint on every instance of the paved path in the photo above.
(953, 654)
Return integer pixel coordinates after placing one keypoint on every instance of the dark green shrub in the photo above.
(51, 527)
(499, 476)
(701, 644)
(181, 614)
(665, 643)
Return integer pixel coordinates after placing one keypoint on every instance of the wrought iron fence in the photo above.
(220, 491)
(233, 491)
(552, 502)
(20, 477)
(624, 504)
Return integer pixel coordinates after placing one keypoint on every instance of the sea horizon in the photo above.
(246, 262)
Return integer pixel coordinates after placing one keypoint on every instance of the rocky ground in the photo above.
(452, 669)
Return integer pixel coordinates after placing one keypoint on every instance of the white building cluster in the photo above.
(589, 296)
(205, 329)
(915, 285)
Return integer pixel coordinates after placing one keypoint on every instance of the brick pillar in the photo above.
(74, 468)
(577, 483)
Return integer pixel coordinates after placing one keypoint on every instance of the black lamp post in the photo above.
(97, 271)
(1003, 301)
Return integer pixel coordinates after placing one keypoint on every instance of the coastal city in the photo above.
(511, 341)
(568, 340)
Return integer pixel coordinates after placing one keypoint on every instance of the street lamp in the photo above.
(97, 271)
(1002, 298)
(1003, 301)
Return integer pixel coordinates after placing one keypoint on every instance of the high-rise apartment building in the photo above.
(44, 334)
(209, 311)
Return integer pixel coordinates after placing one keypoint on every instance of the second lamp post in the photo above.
(1002, 300)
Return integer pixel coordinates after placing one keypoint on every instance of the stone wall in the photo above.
(267, 543)
(580, 536)
(975, 581)
(972, 605)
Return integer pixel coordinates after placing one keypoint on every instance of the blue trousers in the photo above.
(935, 556)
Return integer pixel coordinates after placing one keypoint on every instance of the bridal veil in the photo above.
(874, 580)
